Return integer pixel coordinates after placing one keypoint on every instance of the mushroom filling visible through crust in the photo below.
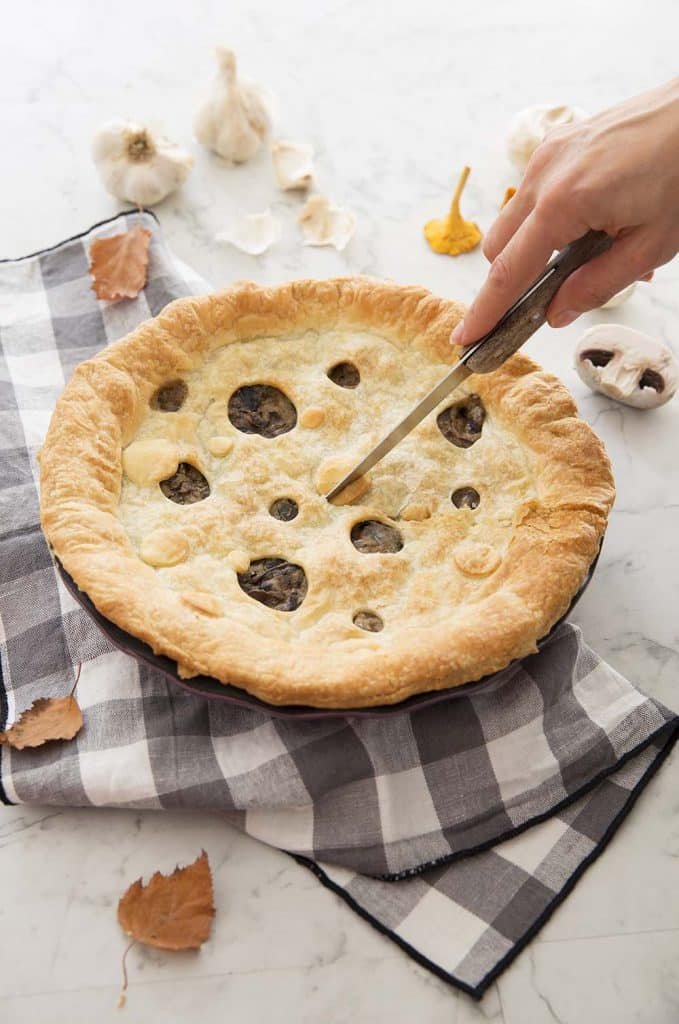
(369, 621)
(186, 486)
(275, 583)
(462, 423)
(345, 375)
(261, 409)
(284, 509)
(465, 497)
(371, 536)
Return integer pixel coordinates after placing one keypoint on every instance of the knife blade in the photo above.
(518, 324)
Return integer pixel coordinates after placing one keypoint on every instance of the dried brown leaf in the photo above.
(118, 265)
(173, 911)
(50, 718)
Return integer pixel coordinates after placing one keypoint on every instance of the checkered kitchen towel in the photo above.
(454, 828)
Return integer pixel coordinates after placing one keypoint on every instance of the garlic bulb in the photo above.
(253, 234)
(235, 120)
(325, 224)
(619, 298)
(136, 165)
(530, 126)
(293, 164)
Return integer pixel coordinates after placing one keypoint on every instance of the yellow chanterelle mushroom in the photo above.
(453, 235)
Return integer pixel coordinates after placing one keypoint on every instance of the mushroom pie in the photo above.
(184, 477)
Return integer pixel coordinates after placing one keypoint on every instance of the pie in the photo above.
(183, 480)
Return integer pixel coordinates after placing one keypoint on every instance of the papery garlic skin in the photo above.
(529, 127)
(253, 234)
(627, 365)
(235, 120)
(325, 224)
(136, 165)
(619, 297)
(293, 164)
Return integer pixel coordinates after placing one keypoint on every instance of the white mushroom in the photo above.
(530, 126)
(325, 224)
(617, 300)
(627, 365)
(253, 234)
(293, 164)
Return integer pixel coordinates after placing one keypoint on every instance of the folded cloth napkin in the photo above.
(455, 829)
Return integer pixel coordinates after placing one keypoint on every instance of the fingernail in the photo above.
(456, 336)
(563, 319)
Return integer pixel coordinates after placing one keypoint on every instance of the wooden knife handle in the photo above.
(521, 322)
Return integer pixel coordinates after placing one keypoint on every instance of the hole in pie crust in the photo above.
(275, 583)
(461, 423)
(345, 375)
(652, 379)
(261, 409)
(371, 536)
(186, 486)
(465, 497)
(284, 509)
(170, 397)
(368, 621)
(597, 356)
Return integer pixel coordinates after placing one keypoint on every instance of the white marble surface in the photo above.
(395, 98)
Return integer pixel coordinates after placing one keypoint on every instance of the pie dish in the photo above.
(183, 480)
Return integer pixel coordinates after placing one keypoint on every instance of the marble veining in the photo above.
(395, 100)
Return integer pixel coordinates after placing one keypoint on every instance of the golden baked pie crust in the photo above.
(470, 591)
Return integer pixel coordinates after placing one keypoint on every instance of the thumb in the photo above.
(628, 260)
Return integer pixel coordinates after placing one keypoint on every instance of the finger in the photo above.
(647, 277)
(517, 266)
(629, 259)
(507, 223)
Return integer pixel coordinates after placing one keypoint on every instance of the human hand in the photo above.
(617, 172)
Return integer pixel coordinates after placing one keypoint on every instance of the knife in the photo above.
(521, 320)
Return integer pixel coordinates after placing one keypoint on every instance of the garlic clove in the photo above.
(325, 224)
(235, 119)
(617, 300)
(293, 164)
(627, 365)
(254, 233)
(137, 166)
(529, 127)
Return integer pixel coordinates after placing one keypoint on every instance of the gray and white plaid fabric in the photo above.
(455, 829)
